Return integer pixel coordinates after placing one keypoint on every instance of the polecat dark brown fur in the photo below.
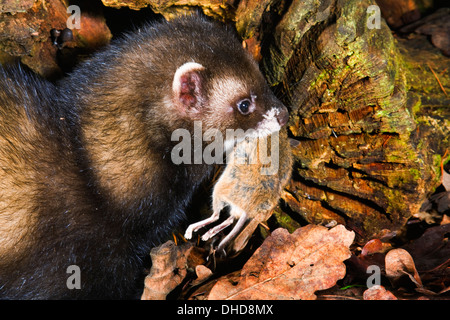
(86, 176)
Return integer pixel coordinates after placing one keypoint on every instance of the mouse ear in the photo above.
(188, 86)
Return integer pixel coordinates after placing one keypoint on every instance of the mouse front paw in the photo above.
(189, 231)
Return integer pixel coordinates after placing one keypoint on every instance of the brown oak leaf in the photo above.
(398, 262)
(378, 293)
(169, 268)
(290, 266)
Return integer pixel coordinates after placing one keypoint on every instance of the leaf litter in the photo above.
(285, 266)
(313, 262)
(291, 266)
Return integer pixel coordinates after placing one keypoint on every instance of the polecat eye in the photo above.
(244, 106)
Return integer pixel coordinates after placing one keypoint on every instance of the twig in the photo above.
(336, 297)
(385, 141)
(175, 239)
(264, 226)
(435, 75)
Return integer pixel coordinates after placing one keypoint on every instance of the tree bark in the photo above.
(369, 148)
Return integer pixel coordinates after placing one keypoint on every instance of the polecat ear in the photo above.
(187, 86)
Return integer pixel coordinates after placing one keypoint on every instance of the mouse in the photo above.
(256, 172)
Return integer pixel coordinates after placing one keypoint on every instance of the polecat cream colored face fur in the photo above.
(232, 96)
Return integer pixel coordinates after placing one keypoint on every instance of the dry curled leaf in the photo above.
(378, 292)
(169, 268)
(290, 266)
(441, 199)
(371, 247)
(432, 249)
(445, 179)
(203, 273)
(399, 262)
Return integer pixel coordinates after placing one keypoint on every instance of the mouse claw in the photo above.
(233, 233)
(198, 225)
(212, 232)
(215, 230)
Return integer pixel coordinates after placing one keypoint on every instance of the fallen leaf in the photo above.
(445, 220)
(203, 273)
(372, 254)
(169, 267)
(290, 266)
(432, 249)
(445, 179)
(371, 247)
(399, 262)
(378, 292)
(442, 200)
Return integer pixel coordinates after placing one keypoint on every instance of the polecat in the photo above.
(257, 170)
(86, 175)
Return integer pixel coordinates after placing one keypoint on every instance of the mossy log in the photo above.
(369, 111)
(369, 149)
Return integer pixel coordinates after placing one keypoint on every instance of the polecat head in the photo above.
(225, 99)
(221, 85)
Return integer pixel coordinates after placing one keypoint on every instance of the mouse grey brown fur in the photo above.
(255, 175)
(86, 176)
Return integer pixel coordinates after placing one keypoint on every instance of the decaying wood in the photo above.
(219, 9)
(25, 34)
(290, 266)
(369, 111)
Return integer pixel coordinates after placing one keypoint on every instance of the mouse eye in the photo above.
(244, 106)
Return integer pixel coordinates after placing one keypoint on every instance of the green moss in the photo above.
(415, 173)
(447, 159)
(285, 221)
(437, 158)
(416, 107)
(319, 79)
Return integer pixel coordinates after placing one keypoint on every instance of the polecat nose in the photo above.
(283, 116)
